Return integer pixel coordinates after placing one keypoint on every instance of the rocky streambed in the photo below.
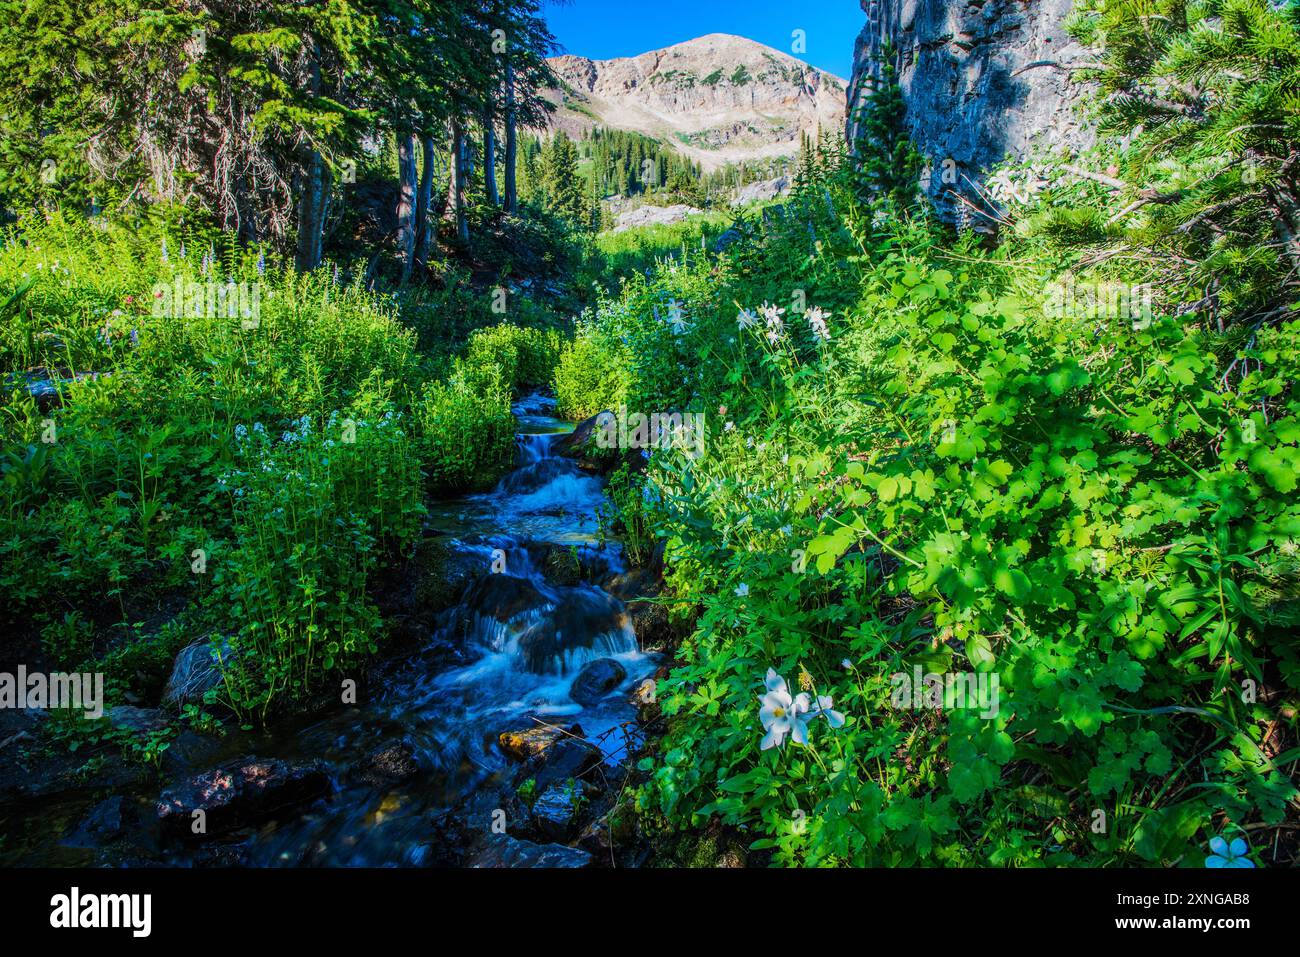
(500, 730)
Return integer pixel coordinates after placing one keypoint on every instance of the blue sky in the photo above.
(602, 29)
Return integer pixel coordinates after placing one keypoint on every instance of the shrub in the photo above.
(106, 500)
(526, 356)
(314, 510)
(466, 429)
(1099, 515)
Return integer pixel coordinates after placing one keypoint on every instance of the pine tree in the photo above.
(888, 164)
(1200, 114)
(561, 185)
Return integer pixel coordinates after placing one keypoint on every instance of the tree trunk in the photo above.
(459, 175)
(512, 141)
(1286, 221)
(406, 202)
(426, 226)
(490, 160)
(311, 215)
(311, 203)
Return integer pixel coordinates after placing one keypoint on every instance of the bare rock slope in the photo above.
(976, 83)
(717, 99)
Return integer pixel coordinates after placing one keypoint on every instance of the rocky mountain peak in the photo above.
(718, 98)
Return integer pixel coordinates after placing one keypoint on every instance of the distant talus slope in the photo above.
(958, 63)
(717, 99)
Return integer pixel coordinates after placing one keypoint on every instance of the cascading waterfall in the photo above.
(521, 634)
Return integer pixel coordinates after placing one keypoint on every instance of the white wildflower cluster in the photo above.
(773, 318)
(817, 323)
(677, 319)
(1015, 187)
(783, 714)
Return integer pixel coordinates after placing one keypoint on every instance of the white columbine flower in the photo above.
(742, 591)
(817, 322)
(1001, 186)
(823, 710)
(772, 316)
(746, 318)
(782, 714)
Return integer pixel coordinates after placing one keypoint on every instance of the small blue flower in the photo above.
(1235, 854)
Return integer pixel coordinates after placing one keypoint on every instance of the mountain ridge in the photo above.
(717, 99)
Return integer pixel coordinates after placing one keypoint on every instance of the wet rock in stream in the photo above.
(390, 765)
(502, 850)
(240, 794)
(596, 679)
(568, 759)
(504, 597)
(195, 672)
(530, 742)
(584, 620)
(555, 812)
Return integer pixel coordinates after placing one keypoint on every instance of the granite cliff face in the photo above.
(970, 99)
(717, 99)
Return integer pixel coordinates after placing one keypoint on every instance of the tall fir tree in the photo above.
(888, 163)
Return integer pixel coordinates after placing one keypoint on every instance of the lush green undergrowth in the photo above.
(235, 443)
(636, 250)
(931, 468)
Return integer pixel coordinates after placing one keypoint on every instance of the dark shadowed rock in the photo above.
(566, 759)
(580, 442)
(106, 821)
(597, 679)
(18, 725)
(196, 671)
(502, 850)
(554, 813)
(504, 597)
(189, 750)
(240, 794)
(389, 765)
(140, 720)
(637, 588)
